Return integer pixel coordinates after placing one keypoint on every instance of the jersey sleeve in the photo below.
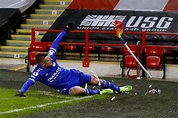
(35, 76)
(26, 86)
(53, 49)
(57, 40)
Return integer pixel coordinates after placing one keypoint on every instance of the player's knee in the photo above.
(94, 81)
(77, 91)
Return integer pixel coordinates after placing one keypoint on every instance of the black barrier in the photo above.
(136, 21)
(9, 20)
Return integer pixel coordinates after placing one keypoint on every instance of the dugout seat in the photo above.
(153, 62)
(91, 49)
(32, 56)
(108, 50)
(70, 51)
(33, 50)
(48, 45)
(154, 57)
(70, 48)
(128, 60)
(40, 46)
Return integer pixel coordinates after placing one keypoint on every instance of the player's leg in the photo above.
(77, 84)
(104, 84)
(107, 84)
(77, 90)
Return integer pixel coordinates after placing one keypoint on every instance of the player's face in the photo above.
(47, 62)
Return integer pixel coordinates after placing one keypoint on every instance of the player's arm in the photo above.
(55, 43)
(31, 80)
(25, 87)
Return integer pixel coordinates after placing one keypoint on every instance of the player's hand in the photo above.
(20, 94)
(69, 27)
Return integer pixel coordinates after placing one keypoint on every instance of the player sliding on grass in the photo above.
(69, 82)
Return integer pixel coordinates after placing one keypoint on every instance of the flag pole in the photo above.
(119, 33)
(125, 44)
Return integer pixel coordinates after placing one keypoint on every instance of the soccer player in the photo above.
(70, 82)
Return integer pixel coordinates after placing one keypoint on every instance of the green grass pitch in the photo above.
(43, 102)
(36, 101)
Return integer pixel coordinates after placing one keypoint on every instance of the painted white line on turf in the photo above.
(43, 105)
(53, 95)
(8, 98)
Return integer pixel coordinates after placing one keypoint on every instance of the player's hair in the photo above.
(40, 56)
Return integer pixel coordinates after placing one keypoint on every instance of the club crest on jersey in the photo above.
(51, 52)
(34, 75)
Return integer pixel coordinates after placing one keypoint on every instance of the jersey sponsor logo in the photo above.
(54, 76)
(134, 23)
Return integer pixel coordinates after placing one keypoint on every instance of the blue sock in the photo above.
(107, 84)
(92, 92)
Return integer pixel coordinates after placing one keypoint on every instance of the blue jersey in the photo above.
(55, 76)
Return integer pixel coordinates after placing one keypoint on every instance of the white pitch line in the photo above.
(8, 98)
(43, 105)
(52, 95)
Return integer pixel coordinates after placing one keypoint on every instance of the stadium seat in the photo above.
(121, 50)
(154, 57)
(90, 48)
(168, 52)
(69, 51)
(32, 56)
(38, 46)
(153, 62)
(129, 62)
(92, 51)
(48, 45)
(154, 50)
(34, 49)
(133, 48)
(70, 48)
(108, 50)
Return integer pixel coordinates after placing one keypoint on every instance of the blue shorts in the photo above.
(79, 79)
